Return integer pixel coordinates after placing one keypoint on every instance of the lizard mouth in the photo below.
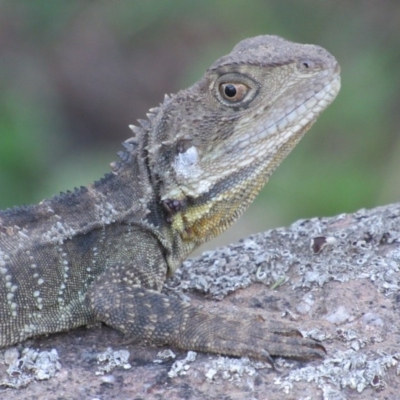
(296, 115)
(257, 142)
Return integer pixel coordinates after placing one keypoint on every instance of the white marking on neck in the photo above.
(188, 171)
(186, 164)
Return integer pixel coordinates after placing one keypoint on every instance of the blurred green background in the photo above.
(74, 74)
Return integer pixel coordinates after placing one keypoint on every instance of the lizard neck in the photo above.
(209, 215)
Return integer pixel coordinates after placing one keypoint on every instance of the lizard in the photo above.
(102, 253)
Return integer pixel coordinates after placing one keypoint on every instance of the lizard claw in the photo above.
(266, 357)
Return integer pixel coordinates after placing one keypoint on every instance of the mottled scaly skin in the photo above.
(102, 253)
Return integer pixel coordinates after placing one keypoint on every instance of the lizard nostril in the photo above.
(306, 64)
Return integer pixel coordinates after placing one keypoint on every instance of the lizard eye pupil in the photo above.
(230, 90)
(233, 92)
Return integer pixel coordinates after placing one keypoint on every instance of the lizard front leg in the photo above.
(153, 317)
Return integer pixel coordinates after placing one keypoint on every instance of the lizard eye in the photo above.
(233, 92)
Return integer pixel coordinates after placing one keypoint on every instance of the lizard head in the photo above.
(215, 144)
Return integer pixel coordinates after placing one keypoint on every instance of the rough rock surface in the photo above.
(336, 279)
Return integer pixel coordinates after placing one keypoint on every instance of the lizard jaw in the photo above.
(213, 210)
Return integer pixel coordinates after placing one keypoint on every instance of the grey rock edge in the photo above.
(336, 279)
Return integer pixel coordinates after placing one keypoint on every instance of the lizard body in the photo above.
(102, 253)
